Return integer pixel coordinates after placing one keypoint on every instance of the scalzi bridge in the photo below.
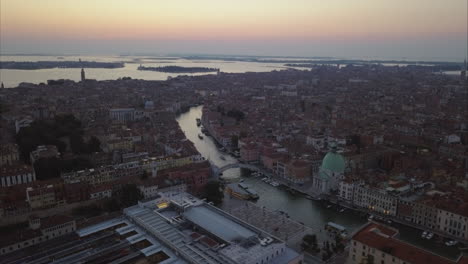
(217, 171)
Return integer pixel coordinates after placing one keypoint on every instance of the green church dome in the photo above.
(334, 162)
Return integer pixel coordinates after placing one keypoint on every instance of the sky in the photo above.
(431, 29)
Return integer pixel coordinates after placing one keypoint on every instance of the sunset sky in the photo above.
(352, 28)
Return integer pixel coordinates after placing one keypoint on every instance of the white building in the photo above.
(452, 139)
(453, 223)
(376, 200)
(24, 122)
(122, 114)
(44, 151)
(16, 174)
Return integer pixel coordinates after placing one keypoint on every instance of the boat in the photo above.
(314, 198)
(424, 234)
(341, 210)
(253, 194)
(336, 228)
(243, 185)
(274, 184)
(198, 122)
(266, 180)
(200, 136)
(429, 236)
(329, 206)
(451, 243)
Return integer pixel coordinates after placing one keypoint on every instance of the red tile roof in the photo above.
(383, 239)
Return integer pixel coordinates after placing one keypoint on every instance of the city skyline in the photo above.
(364, 28)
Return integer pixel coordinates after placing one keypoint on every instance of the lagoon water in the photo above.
(11, 78)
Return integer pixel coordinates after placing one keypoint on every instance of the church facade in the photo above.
(330, 173)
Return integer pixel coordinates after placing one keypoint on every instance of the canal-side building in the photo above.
(346, 192)
(375, 243)
(452, 215)
(418, 211)
(375, 200)
(330, 174)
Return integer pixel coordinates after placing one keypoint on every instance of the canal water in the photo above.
(311, 213)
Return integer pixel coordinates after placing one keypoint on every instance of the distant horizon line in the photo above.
(208, 55)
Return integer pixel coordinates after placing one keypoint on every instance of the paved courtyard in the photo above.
(274, 222)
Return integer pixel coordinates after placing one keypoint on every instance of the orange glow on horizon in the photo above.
(242, 19)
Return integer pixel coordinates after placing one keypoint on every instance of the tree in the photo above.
(75, 164)
(144, 175)
(94, 145)
(309, 242)
(236, 114)
(128, 195)
(213, 192)
(50, 132)
(234, 141)
(111, 205)
(87, 210)
(77, 144)
(339, 245)
(47, 168)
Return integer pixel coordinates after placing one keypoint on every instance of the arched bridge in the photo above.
(218, 170)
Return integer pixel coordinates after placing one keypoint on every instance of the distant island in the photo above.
(308, 62)
(178, 69)
(421, 65)
(36, 65)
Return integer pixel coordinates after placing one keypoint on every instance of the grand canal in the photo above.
(311, 213)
